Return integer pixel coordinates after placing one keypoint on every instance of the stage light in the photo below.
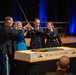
(72, 27)
(43, 12)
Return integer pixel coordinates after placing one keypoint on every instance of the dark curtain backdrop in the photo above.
(57, 11)
(11, 8)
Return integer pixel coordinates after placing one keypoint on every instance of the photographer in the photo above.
(52, 36)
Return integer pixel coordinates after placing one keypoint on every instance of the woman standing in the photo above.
(20, 39)
(52, 36)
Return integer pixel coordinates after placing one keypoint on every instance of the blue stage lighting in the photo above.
(43, 12)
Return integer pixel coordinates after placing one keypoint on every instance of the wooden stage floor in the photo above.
(65, 40)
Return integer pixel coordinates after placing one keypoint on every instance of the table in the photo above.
(41, 62)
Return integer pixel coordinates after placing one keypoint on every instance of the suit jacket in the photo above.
(37, 38)
(6, 35)
(53, 38)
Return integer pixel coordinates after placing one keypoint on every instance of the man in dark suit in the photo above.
(37, 35)
(52, 36)
(62, 66)
(6, 32)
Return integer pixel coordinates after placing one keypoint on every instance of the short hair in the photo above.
(36, 19)
(7, 18)
(63, 64)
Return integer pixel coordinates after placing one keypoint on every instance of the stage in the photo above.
(67, 41)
